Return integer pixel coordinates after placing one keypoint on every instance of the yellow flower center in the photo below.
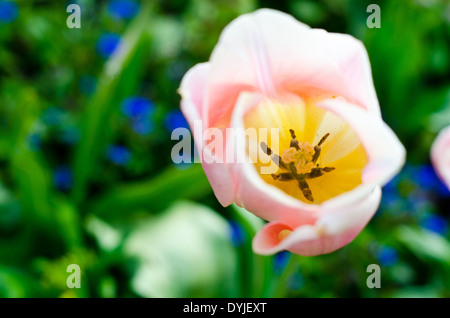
(302, 158)
(316, 155)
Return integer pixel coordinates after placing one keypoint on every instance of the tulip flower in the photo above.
(328, 149)
(440, 155)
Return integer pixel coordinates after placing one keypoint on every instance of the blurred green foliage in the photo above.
(84, 182)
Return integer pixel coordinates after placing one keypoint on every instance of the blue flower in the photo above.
(88, 84)
(280, 261)
(237, 233)
(435, 223)
(119, 155)
(426, 178)
(143, 126)
(107, 44)
(136, 107)
(390, 198)
(123, 9)
(387, 255)
(442, 190)
(8, 11)
(392, 185)
(391, 190)
(138, 110)
(175, 119)
(62, 178)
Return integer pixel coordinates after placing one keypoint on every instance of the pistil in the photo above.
(298, 162)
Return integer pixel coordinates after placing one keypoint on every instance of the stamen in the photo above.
(317, 148)
(293, 170)
(265, 148)
(275, 158)
(305, 189)
(284, 176)
(323, 139)
(316, 154)
(294, 141)
(299, 162)
(317, 172)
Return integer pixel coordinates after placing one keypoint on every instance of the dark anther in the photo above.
(292, 133)
(294, 142)
(305, 190)
(316, 153)
(317, 172)
(323, 139)
(284, 176)
(275, 158)
(265, 148)
(317, 148)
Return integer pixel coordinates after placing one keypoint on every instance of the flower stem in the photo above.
(280, 288)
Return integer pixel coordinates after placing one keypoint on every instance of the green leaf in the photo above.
(251, 222)
(68, 223)
(441, 118)
(153, 195)
(119, 79)
(416, 292)
(255, 270)
(28, 168)
(16, 284)
(425, 244)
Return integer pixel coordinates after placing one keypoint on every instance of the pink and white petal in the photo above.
(267, 201)
(350, 57)
(328, 234)
(440, 155)
(192, 90)
(340, 218)
(271, 52)
(267, 242)
(220, 178)
(385, 152)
